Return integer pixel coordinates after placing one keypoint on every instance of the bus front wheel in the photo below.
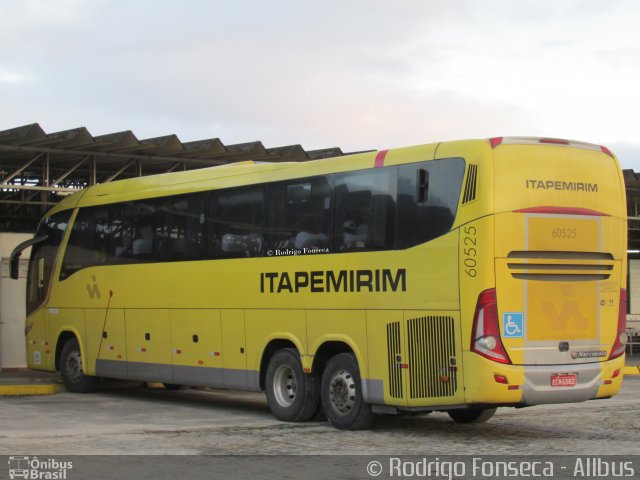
(471, 415)
(71, 370)
(341, 394)
(292, 395)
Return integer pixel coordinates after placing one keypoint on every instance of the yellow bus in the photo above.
(457, 276)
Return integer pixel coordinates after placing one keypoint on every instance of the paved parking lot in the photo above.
(132, 419)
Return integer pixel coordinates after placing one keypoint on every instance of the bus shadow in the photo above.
(512, 430)
(188, 396)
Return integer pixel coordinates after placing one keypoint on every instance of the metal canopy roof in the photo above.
(632, 186)
(36, 167)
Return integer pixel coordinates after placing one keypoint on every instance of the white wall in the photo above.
(12, 304)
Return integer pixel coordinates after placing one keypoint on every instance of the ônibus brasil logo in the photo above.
(38, 469)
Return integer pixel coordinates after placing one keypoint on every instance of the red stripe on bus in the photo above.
(563, 211)
(380, 158)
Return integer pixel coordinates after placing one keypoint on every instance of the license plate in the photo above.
(564, 380)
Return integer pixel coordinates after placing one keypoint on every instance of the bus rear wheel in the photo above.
(341, 394)
(71, 369)
(292, 395)
(471, 415)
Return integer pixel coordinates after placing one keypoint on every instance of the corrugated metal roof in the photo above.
(212, 151)
(36, 167)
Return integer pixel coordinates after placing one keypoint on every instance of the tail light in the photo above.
(485, 335)
(621, 336)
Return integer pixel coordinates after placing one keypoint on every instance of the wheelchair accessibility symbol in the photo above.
(513, 325)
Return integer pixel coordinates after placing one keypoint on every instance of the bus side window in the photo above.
(422, 217)
(89, 242)
(235, 222)
(139, 219)
(365, 209)
(180, 227)
(299, 213)
(122, 233)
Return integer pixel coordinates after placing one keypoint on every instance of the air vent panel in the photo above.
(432, 357)
(394, 353)
(560, 266)
(470, 184)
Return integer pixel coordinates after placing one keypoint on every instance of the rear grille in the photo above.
(560, 266)
(470, 185)
(432, 365)
(394, 353)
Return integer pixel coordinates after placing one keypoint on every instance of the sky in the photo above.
(357, 74)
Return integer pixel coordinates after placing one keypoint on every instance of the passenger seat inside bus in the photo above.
(354, 208)
(355, 236)
(248, 244)
(142, 248)
(309, 240)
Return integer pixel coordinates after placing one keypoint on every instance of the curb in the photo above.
(634, 370)
(20, 390)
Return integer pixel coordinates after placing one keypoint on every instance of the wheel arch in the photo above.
(63, 337)
(272, 346)
(330, 346)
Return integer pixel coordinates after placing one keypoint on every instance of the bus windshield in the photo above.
(43, 256)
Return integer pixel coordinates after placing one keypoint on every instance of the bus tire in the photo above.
(341, 394)
(292, 395)
(71, 370)
(472, 415)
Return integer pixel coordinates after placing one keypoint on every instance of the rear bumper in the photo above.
(531, 384)
(537, 387)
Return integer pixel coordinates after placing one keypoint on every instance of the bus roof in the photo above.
(495, 141)
(234, 174)
(252, 172)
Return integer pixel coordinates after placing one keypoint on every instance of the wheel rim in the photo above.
(342, 391)
(285, 385)
(74, 366)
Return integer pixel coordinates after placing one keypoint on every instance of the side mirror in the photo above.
(14, 266)
(14, 258)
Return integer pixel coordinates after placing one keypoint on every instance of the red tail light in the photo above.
(485, 335)
(621, 337)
